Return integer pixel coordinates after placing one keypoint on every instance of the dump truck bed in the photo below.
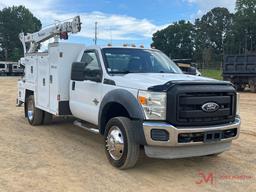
(239, 65)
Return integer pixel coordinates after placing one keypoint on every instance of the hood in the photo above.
(145, 80)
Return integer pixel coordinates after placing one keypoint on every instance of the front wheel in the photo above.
(121, 149)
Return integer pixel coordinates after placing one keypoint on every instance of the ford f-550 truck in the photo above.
(133, 97)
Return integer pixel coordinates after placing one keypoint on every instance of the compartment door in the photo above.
(43, 83)
(54, 80)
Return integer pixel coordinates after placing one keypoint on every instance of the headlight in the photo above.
(237, 104)
(153, 104)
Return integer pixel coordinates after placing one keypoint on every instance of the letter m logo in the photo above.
(205, 178)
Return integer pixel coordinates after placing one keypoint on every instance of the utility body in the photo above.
(134, 97)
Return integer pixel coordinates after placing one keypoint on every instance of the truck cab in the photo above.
(136, 98)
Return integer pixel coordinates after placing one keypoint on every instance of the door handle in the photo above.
(73, 85)
(51, 79)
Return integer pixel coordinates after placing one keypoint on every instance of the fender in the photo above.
(132, 106)
(124, 98)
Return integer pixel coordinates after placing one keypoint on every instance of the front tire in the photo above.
(34, 115)
(121, 149)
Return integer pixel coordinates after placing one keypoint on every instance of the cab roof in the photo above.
(118, 47)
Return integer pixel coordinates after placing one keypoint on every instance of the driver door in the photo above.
(86, 95)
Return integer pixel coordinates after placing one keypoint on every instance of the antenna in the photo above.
(96, 33)
(111, 37)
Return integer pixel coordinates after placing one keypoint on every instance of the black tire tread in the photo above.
(47, 118)
(133, 153)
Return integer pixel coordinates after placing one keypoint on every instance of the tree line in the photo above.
(14, 20)
(210, 37)
(207, 40)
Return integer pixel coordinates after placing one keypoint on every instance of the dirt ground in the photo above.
(62, 157)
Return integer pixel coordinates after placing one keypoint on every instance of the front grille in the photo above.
(190, 107)
(185, 105)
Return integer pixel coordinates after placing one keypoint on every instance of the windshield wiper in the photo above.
(120, 72)
(166, 72)
(127, 72)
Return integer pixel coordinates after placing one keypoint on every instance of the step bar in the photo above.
(86, 126)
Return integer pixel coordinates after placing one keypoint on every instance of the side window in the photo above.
(92, 70)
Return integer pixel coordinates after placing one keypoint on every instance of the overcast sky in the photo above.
(120, 21)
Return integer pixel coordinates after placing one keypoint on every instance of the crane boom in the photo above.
(57, 30)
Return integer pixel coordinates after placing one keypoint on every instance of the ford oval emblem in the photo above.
(210, 107)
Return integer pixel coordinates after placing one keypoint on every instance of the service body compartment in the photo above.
(42, 88)
(61, 57)
(48, 76)
(30, 69)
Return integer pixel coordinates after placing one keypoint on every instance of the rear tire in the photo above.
(239, 87)
(47, 118)
(121, 149)
(253, 88)
(34, 115)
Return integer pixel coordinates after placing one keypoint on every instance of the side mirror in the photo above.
(77, 71)
(95, 79)
(192, 70)
(93, 75)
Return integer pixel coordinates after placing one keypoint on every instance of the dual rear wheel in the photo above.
(34, 115)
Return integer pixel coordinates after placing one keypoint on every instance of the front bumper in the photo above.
(186, 151)
(174, 132)
(172, 148)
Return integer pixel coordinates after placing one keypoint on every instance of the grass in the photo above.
(212, 73)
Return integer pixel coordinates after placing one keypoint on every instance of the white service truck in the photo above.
(134, 97)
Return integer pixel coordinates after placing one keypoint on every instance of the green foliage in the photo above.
(14, 20)
(176, 40)
(212, 73)
(216, 33)
(211, 33)
(244, 29)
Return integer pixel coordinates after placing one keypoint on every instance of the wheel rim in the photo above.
(115, 143)
(30, 110)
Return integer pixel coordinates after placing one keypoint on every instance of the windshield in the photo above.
(127, 60)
